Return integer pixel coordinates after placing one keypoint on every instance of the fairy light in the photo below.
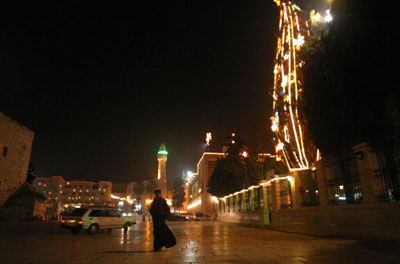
(208, 138)
(286, 122)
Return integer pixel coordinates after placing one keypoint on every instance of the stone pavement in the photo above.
(198, 242)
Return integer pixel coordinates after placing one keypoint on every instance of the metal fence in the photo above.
(388, 173)
(309, 188)
(343, 180)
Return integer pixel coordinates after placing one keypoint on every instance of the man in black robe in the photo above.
(159, 210)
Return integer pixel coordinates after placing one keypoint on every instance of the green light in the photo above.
(162, 152)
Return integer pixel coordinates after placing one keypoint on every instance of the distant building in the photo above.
(133, 195)
(15, 151)
(199, 200)
(60, 192)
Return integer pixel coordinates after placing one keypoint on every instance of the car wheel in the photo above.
(75, 230)
(109, 230)
(93, 229)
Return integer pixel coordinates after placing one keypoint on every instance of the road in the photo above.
(198, 242)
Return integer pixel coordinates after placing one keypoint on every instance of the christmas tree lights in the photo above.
(287, 121)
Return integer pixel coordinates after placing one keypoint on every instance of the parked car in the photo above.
(177, 217)
(93, 219)
(199, 216)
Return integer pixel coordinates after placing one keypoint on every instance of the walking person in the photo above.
(159, 210)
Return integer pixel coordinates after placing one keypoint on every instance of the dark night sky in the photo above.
(103, 84)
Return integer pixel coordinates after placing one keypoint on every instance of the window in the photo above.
(240, 204)
(113, 213)
(5, 151)
(256, 199)
(97, 213)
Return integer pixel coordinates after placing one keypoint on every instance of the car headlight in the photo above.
(129, 214)
(124, 214)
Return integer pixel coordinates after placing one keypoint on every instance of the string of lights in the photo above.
(287, 121)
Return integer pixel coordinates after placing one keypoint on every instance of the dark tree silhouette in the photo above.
(351, 92)
(178, 196)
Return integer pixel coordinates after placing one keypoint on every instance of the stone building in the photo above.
(25, 204)
(15, 151)
(199, 200)
(351, 196)
(60, 192)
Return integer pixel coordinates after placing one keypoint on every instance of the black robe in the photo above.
(163, 236)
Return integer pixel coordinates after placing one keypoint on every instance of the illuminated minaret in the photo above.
(162, 156)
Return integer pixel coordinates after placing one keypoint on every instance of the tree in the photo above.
(349, 96)
(31, 173)
(279, 167)
(178, 196)
(235, 171)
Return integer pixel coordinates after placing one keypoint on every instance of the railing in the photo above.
(388, 173)
(343, 181)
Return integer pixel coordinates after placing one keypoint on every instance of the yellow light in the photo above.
(315, 17)
(208, 138)
(148, 201)
(214, 199)
(288, 88)
(194, 204)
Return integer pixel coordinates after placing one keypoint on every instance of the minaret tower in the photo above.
(162, 157)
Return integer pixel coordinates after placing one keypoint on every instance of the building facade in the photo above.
(15, 151)
(25, 204)
(63, 193)
(199, 200)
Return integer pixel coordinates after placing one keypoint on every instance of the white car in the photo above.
(94, 219)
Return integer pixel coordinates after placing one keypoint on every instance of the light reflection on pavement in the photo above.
(198, 242)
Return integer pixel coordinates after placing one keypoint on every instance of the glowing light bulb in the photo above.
(328, 17)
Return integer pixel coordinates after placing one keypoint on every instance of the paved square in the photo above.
(198, 242)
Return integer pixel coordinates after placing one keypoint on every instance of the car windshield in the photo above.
(77, 212)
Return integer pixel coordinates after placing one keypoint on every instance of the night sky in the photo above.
(103, 84)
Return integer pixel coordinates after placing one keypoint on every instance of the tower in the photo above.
(162, 157)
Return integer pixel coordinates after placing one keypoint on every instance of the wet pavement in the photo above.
(198, 242)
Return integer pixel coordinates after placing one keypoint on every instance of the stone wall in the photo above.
(378, 221)
(250, 218)
(15, 152)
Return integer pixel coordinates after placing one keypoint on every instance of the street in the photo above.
(198, 242)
